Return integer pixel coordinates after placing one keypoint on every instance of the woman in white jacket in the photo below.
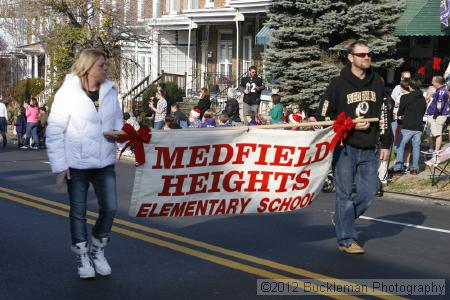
(85, 106)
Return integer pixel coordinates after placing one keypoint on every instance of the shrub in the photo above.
(27, 88)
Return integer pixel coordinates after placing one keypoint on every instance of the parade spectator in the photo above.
(438, 111)
(129, 119)
(208, 120)
(404, 89)
(81, 155)
(276, 113)
(160, 109)
(411, 111)
(286, 113)
(232, 107)
(358, 92)
(204, 103)
(397, 92)
(180, 119)
(21, 126)
(251, 85)
(3, 121)
(32, 114)
(428, 94)
(295, 118)
(169, 123)
(194, 118)
(250, 118)
(223, 120)
(42, 126)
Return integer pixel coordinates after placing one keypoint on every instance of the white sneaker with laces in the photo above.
(97, 254)
(85, 266)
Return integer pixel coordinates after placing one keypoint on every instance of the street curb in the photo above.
(418, 198)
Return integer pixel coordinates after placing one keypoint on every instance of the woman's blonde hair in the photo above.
(85, 61)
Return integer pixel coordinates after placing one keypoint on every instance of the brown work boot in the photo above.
(353, 248)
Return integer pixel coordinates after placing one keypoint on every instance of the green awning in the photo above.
(262, 37)
(421, 17)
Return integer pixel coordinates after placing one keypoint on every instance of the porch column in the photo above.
(36, 66)
(155, 54)
(29, 66)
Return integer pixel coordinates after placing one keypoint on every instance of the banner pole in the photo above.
(116, 133)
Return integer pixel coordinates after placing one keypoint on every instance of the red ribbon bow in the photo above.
(136, 139)
(342, 127)
(421, 71)
(436, 63)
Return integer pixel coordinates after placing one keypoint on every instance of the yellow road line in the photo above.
(261, 273)
(210, 247)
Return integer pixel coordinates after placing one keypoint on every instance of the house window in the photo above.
(193, 4)
(172, 6)
(114, 5)
(140, 10)
(209, 3)
(126, 11)
(225, 54)
(174, 59)
(246, 54)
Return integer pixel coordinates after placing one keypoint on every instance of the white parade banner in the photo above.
(230, 172)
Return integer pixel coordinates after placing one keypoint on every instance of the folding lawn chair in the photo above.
(438, 164)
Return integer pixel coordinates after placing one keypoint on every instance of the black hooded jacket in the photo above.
(359, 97)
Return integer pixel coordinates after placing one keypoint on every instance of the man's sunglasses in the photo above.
(363, 55)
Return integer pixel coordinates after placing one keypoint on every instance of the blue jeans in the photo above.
(352, 165)
(32, 132)
(159, 125)
(104, 183)
(394, 125)
(405, 136)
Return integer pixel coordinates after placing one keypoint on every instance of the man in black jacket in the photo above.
(410, 113)
(252, 85)
(359, 92)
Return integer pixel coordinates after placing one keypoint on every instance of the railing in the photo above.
(130, 98)
(42, 97)
(218, 85)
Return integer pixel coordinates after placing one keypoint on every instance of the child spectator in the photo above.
(295, 118)
(169, 123)
(224, 121)
(251, 118)
(21, 127)
(276, 113)
(208, 120)
(194, 118)
(180, 119)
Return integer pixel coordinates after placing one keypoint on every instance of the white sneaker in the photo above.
(97, 254)
(24, 147)
(85, 266)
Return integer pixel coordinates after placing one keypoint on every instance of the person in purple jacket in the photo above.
(438, 111)
(21, 126)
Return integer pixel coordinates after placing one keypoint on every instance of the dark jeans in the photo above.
(20, 140)
(359, 167)
(159, 125)
(104, 183)
(32, 132)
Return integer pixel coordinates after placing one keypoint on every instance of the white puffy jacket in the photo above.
(75, 128)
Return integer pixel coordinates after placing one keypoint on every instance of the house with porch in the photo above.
(211, 41)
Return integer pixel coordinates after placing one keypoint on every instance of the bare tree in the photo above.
(65, 27)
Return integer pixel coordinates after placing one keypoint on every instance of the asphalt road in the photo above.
(203, 257)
